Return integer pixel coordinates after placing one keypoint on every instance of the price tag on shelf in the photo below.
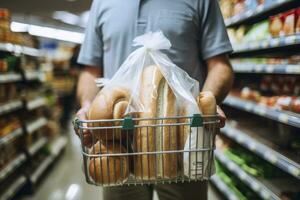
(265, 194)
(270, 157)
(242, 175)
(283, 118)
(240, 139)
(255, 186)
(248, 106)
(260, 8)
(258, 68)
(264, 43)
(275, 42)
(294, 171)
(292, 69)
(249, 13)
(290, 39)
(260, 110)
(269, 69)
(252, 146)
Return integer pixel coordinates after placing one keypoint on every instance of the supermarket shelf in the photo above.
(10, 77)
(41, 169)
(9, 137)
(265, 68)
(35, 125)
(36, 103)
(33, 149)
(12, 166)
(32, 75)
(10, 106)
(18, 49)
(249, 180)
(261, 12)
(285, 117)
(269, 44)
(222, 187)
(263, 151)
(58, 145)
(14, 188)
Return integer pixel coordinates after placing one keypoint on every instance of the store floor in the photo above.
(65, 181)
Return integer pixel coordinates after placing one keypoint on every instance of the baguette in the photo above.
(159, 101)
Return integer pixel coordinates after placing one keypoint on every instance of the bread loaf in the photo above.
(158, 101)
(110, 103)
(108, 170)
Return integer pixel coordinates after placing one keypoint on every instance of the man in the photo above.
(199, 46)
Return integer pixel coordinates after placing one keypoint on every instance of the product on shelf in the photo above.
(276, 26)
(298, 21)
(289, 21)
(8, 92)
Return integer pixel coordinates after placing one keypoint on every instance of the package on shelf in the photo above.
(8, 92)
(8, 63)
(232, 8)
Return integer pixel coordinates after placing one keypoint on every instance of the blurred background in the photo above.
(258, 152)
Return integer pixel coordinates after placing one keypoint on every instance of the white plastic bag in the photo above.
(183, 86)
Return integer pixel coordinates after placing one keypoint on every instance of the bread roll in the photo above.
(159, 101)
(108, 170)
(110, 103)
(207, 103)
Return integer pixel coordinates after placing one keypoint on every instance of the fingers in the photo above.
(222, 117)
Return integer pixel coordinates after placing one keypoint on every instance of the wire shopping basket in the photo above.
(148, 150)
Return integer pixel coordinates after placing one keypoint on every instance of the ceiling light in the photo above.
(66, 17)
(48, 32)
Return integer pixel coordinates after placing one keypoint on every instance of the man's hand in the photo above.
(222, 116)
(86, 136)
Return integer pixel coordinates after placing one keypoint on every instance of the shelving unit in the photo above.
(12, 166)
(35, 147)
(263, 151)
(14, 188)
(10, 106)
(10, 77)
(272, 137)
(222, 187)
(261, 12)
(274, 114)
(269, 45)
(35, 125)
(11, 136)
(265, 68)
(55, 148)
(36, 103)
(33, 113)
(18, 49)
(250, 181)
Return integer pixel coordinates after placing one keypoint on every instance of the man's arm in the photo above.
(87, 89)
(219, 77)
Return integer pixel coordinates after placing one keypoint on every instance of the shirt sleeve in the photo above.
(213, 35)
(91, 52)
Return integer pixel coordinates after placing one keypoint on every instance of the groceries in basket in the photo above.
(161, 99)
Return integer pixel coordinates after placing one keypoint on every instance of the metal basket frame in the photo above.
(130, 127)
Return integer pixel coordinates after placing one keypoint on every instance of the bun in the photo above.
(159, 101)
(108, 170)
(110, 103)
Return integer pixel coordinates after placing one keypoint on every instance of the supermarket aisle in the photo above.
(65, 181)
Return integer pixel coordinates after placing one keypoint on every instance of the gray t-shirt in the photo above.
(195, 28)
